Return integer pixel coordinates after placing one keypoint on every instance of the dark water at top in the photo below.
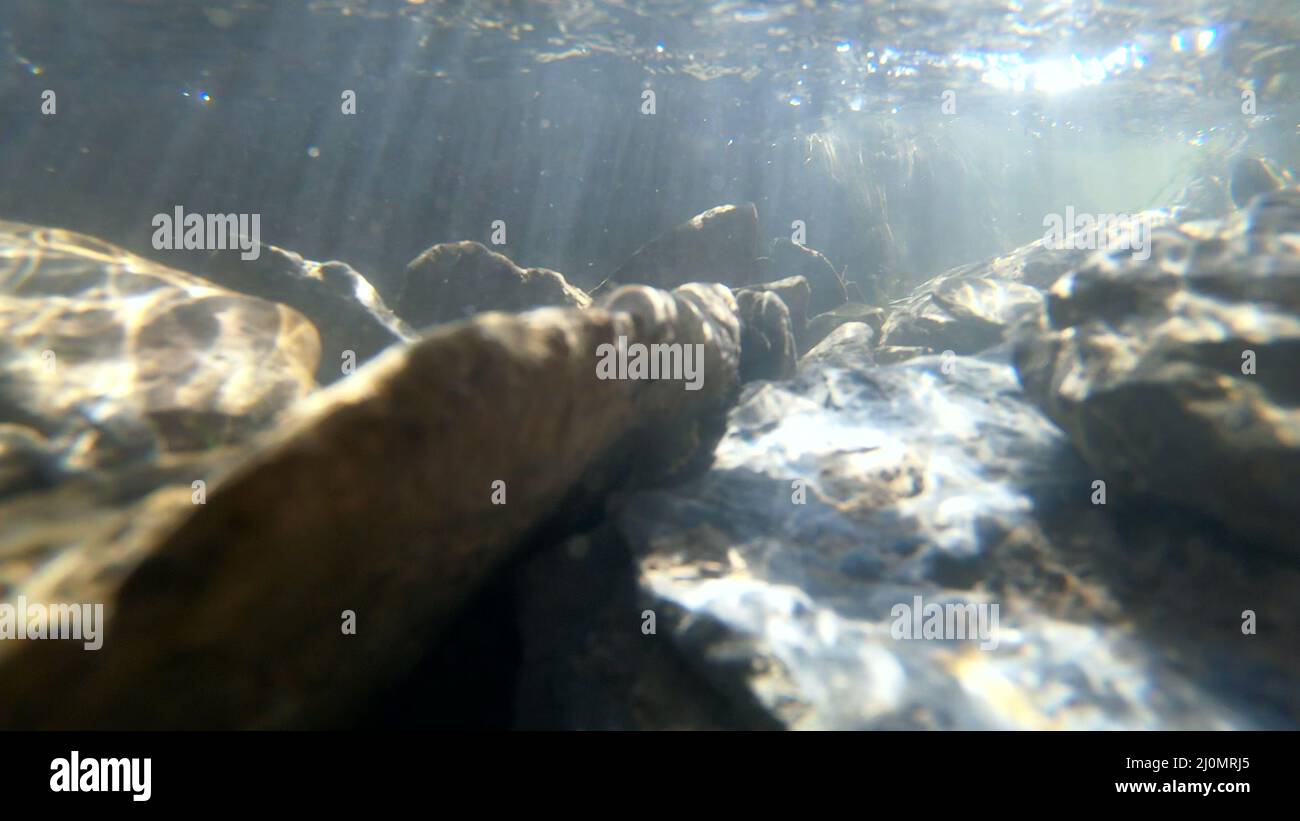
(909, 137)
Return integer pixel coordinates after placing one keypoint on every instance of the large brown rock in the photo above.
(1177, 376)
(107, 358)
(719, 245)
(377, 497)
(454, 280)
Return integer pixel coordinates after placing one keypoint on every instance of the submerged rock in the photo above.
(889, 354)
(354, 323)
(851, 341)
(1252, 176)
(454, 280)
(973, 307)
(766, 340)
(388, 498)
(789, 574)
(27, 460)
(794, 292)
(108, 359)
(1214, 195)
(1204, 197)
(820, 326)
(719, 245)
(787, 259)
(1177, 376)
(963, 315)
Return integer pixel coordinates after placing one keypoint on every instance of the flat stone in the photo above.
(852, 341)
(937, 478)
(820, 326)
(890, 354)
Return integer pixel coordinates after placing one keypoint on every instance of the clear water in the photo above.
(904, 138)
(882, 125)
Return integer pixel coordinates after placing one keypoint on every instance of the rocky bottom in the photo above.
(1051, 490)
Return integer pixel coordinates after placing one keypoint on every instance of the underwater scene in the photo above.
(649, 365)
